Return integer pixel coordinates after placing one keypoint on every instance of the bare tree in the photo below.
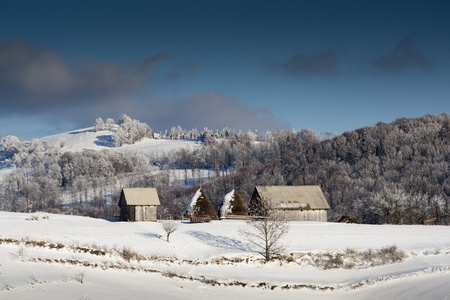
(265, 233)
(169, 227)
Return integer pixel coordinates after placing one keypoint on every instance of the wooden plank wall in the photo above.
(318, 215)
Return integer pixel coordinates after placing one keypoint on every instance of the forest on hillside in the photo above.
(397, 173)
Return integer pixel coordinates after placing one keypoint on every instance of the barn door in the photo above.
(143, 209)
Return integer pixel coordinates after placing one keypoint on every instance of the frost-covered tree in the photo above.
(389, 204)
(206, 134)
(194, 134)
(124, 119)
(437, 207)
(252, 136)
(308, 136)
(9, 146)
(131, 131)
(109, 124)
(268, 137)
(99, 125)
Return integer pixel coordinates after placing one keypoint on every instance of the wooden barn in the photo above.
(138, 204)
(200, 209)
(299, 203)
(232, 207)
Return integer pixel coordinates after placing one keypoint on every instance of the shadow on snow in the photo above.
(221, 241)
(105, 141)
(152, 235)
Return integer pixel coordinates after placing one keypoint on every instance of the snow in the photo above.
(87, 138)
(225, 207)
(5, 172)
(192, 202)
(424, 274)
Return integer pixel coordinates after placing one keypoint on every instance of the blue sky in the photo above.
(332, 66)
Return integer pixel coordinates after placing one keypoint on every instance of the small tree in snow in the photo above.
(265, 233)
(169, 227)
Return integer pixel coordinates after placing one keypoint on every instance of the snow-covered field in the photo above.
(66, 264)
(87, 138)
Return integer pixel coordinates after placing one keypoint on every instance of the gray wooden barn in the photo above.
(298, 203)
(138, 204)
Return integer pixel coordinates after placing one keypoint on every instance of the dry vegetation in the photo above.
(347, 259)
(132, 261)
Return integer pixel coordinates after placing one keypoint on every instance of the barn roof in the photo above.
(140, 196)
(293, 197)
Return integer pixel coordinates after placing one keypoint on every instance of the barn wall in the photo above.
(306, 215)
(124, 213)
(144, 213)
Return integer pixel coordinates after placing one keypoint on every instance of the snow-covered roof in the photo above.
(225, 207)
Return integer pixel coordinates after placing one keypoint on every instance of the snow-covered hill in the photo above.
(60, 257)
(88, 138)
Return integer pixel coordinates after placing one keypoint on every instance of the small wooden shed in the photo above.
(138, 204)
(298, 203)
(232, 207)
(200, 209)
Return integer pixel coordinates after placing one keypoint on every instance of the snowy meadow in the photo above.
(50, 256)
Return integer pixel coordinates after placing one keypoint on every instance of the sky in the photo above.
(331, 66)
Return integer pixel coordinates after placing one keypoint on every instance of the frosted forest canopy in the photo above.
(394, 173)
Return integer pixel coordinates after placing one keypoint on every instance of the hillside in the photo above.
(58, 256)
(395, 173)
(89, 139)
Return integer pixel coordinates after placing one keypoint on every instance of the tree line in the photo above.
(388, 173)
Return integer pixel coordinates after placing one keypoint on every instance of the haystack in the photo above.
(232, 206)
(200, 209)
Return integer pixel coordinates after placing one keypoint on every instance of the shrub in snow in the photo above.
(80, 277)
(347, 219)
